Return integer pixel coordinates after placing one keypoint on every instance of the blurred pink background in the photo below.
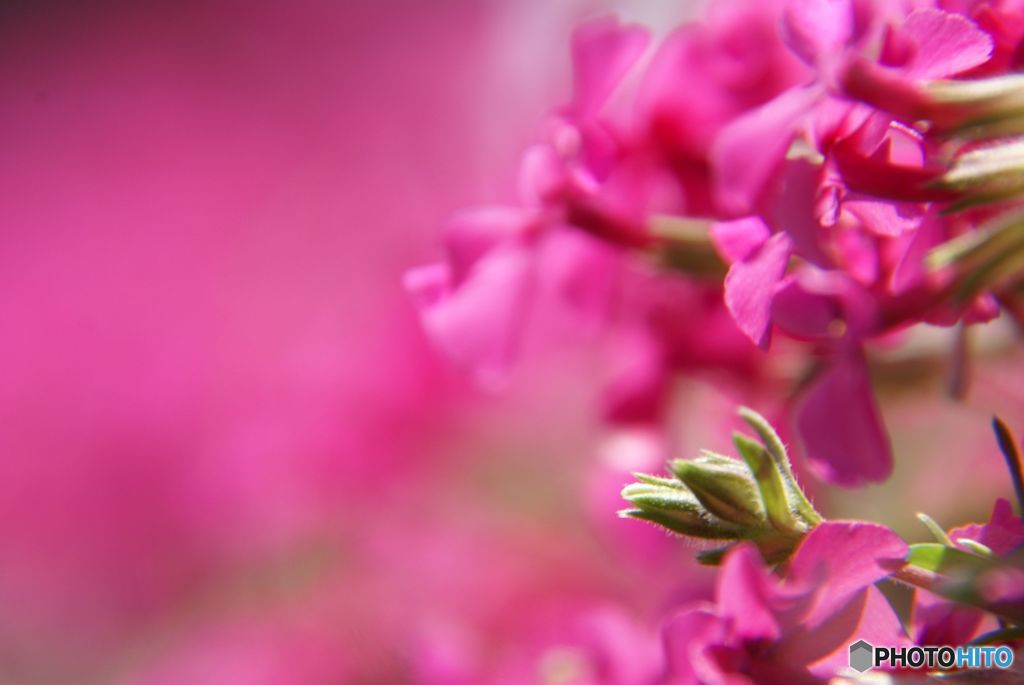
(223, 436)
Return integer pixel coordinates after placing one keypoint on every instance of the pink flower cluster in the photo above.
(768, 631)
(832, 172)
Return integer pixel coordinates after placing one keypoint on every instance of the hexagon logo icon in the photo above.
(861, 656)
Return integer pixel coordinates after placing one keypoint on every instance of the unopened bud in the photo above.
(770, 485)
(677, 509)
(725, 487)
(986, 174)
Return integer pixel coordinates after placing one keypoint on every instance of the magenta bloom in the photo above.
(705, 75)
(938, 621)
(829, 202)
(505, 263)
(763, 631)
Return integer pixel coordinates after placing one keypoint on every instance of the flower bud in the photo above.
(984, 259)
(985, 174)
(725, 487)
(770, 485)
(675, 508)
(975, 108)
(776, 450)
(719, 497)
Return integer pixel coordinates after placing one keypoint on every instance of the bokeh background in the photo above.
(228, 454)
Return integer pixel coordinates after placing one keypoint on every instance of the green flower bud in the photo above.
(983, 259)
(725, 487)
(770, 485)
(675, 508)
(777, 451)
(719, 497)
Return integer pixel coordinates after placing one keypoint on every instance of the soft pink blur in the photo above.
(227, 454)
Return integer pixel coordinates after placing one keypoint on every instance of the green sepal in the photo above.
(947, 561)
(713, 557)
(769, 484)
(660, 481)
(976, 547)
(935, 529)
(777, 451)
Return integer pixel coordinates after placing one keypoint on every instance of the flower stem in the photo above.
(934, 583)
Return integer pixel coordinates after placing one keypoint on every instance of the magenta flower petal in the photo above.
(797, 210)
(937, 621)
(542, 175)
(687, 636)
(603, 51)
(911, 268)
(751, 284)
(478, 323)
(744, 595)
(428, 285)
(804, 314)
(817, 28)
(868, 617)
(472, 233)
(946, 43)
(841, 558)
(839, 424)
(1002, 534)
(576, 278)
(736, 240)
(886, 219)
(752, 146)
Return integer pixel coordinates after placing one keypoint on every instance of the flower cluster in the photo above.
(795, 180)
(830, 172)
(798, 629)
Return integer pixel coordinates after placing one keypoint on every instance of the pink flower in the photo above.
(702, 77)
(502, 261)
(758, 265)
(1003, 533)
(765, 631)
(939, 621)
(856, 207)
(832, 37)
(930, 45)
(837, 419)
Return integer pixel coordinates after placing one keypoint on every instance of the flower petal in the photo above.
(603, 51)
(840, 559)
(869, 617)
(751, 284)
(750, 148)
(938, 621)
(814, 29)
(840, 426)
(687, 636)
(478, 323)
(804, 314)
(471, 233)
(738, 239)
(947, 44)
(744, 595)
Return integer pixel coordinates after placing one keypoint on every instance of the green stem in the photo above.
(934, 583)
